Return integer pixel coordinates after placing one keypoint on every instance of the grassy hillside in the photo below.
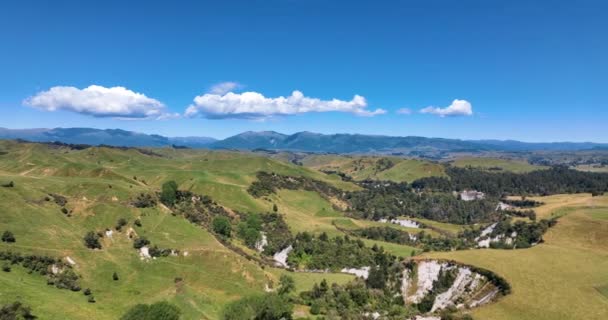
(563, 278)
(560, 279)
(41, 228)
(99, 184)
(517, 166)
(378, 168)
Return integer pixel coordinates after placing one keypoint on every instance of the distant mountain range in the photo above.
(301, 141)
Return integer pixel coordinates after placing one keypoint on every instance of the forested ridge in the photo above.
(555, 180)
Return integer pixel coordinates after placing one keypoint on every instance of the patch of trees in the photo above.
(422, 240)
(63, 276)
(272, 225)
(521, 213)
(8, 237)
(386, 234)
(162, 310)
(523, 203)
(556, 180)
(140, 242)
(16, 311)
(527, 234)
(144, 200)
(277, 233)
(168, 193)
(382, 199)
(383, 164)
(91, 240)
(221, 225)
(269, 183)
(360, 297)
(198, 209)
(267, 306)
(343, 176)
(250, 228)
(391, 200)
(324, 253)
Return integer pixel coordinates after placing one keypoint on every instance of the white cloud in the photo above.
(253, 105)
(98, 101)
(224, 87)
(457, 108)
(404, 111)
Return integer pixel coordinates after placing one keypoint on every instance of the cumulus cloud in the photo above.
(253, 105)
(98, 101)
(457, 108)
(224, 87)
(405, 111)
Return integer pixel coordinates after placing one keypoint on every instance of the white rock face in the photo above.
(402, 222)
(426, 318)
(361, 273)
(70, 261)
(109, 233)
(462, 281)
(503, 206)
(405, 283)
(280, 257)
(466, 285)
(485, 299)
(485, 242)
(262, 243)
(470, 195)
(55, 269)
(428, 272)
(144, 253)
(406, 223)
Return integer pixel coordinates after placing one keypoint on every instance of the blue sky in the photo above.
(530, 70)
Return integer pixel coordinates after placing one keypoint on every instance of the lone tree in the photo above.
(115, 276)
(8, 236)
(168, 194)
(286, 285)
(221, 226)
(121, 223)
(9, 185)
(91, 240)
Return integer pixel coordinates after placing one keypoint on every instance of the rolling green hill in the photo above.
(98, 184)
(496, 164)
(59, 194)
(375, 168)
